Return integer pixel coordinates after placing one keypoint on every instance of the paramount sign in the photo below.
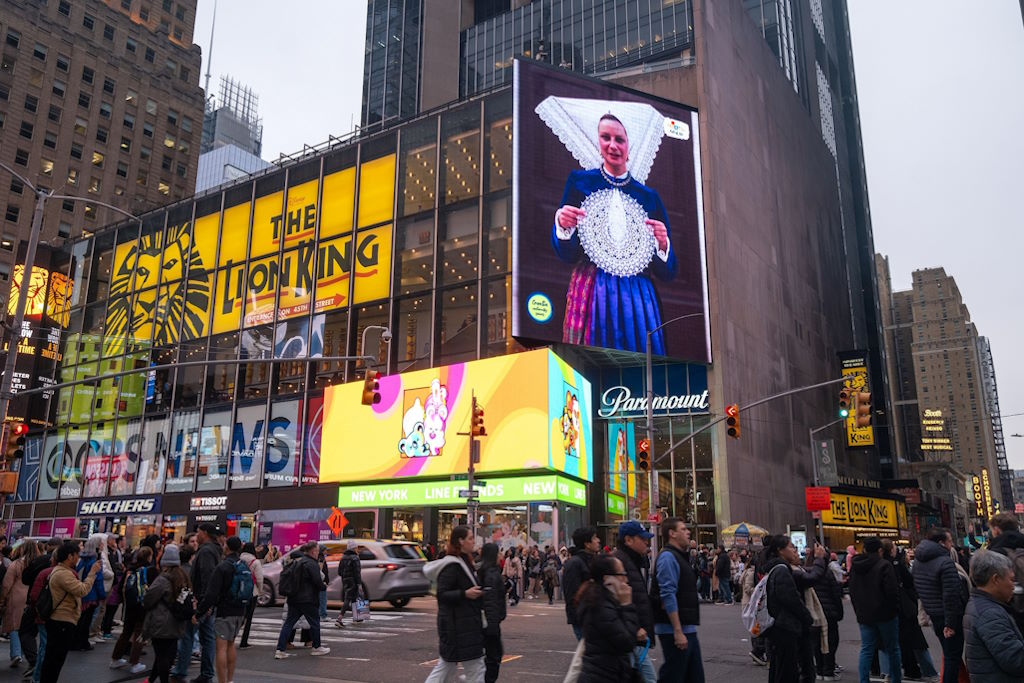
(618, 401)
(125, 506)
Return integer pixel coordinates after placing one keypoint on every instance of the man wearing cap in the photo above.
(632, 550)
(874, 592)
(204, 564)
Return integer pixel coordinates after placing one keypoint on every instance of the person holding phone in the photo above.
(610, 623)
(66, 591)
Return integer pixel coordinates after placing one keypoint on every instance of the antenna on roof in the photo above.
(209, 54)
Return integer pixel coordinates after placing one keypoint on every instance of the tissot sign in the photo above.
(200, 503)
(124, 506)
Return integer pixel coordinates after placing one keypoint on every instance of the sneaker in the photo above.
(16, 661)
(317, 651)
(244, 646)
(118, 663)
(325, 620)
(281, 654)
(760, 660)
(339, 623)
(29, 673)
(107, 636)
(138, 668)
(833, 677)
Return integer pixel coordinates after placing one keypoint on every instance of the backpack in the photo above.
(241, 584)
(756, 618)
(288, 583)
(135, 585)
(44, 604)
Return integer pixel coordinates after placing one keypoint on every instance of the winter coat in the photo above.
(460, 629)
(67, 593)
(1006, 541)
(513, 569)
(830, 595)
(13, 596)
(97, 593)
(785, 602)
(911, 636)
(637, 568)
(995, 647)
(350, 571)
(609, 636)
(748, 582)
(874, 591)
(256, 567)
(310, 580)
(160, 622)
(938, 584)
(204, 563)
(489, 577)
(723, 567)
(218, 591)
(575, 572)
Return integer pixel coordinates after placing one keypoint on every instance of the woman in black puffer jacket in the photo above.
(460, 628)
(830, 595)
(610, 623)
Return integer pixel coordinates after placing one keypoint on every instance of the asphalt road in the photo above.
(400, 646)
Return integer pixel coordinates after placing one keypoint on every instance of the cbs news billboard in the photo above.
(537, 412)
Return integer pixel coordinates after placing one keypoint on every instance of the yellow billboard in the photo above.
(181, 283)
(537, 412)
(861, 511)
(857, 436)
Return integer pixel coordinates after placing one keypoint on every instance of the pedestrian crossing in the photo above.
(265, 629)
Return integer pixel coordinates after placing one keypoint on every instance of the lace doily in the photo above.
(613, 233)
(574, 121)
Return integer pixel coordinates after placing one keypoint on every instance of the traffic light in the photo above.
(15, 446)
(478, 420)
(732, 420)
(371, 388)
(862, 408)
(844, 402)
(643, 457)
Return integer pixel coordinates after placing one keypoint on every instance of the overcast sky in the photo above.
(941, 91)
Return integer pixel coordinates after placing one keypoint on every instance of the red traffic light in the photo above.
(732, 420)
(371, 388)
(19, 429)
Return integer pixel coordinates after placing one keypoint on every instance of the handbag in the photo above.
(576, 665)
(636, 673)
(362, 608)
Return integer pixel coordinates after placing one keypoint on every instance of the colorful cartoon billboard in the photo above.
(537, 412)
(608, 232)
(622, 458)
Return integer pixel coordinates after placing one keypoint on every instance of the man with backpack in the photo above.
(203, 566)
(226, 598)
(301, 582)
(676, 606)
(60, 604)
(350, 571)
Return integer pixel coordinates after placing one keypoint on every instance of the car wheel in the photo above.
(268, 597)
(399, 603)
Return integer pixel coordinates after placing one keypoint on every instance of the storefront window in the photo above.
(213, 451)
(153, 457)
(335, 343)
(458, 244)
(407, 526)
(457, 328)
(498, 233)
(411, 334)
(248, 441)
(181, 466)
(283, 451)
(460, 162)
(417, 173)
(414, 255)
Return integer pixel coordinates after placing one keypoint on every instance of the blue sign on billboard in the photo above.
(679, 389)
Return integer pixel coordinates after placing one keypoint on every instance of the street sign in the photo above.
(469, 493)
(818, 498)
(654, 517)
(825, 452)
(337, 522)
(816, 514)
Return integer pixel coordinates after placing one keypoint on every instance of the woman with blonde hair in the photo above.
(13, 594)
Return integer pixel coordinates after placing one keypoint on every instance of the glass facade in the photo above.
(292, 265)
(588, 36)
(391, 65)
(776, 21)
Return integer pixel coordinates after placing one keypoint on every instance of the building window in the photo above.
(108, 86)
(122, 169)
(150, 55)
(184, 74)
(76, 150)
(105, 110)
(26, 130)
(97, 159)
(84, 100)
(39, 52)
(145, 153)
(167, 5)
(181, 170)
(72, 180)
(5, 93)
(147, 130)
(7, 243)
(172, 118)
(13, 38)
(144, 13)
(126, 144)
(150, 107)
(95, 184)
(179, 13)
(142, 178)
(177, 33)
(63, 62)
(35, 78)
(129, 121)
(7, 63)
(168, 142)
(164, 188)
(90, 211)
(31, 103)
(165, 164)
(101, 134)
(59, 88)
(21, 157)
(46, 167)
(171, 65)
(13, 212)
(88, 22)
(50, 140)
(108, 32)
(80, 125)
(17, 187)
(130, 45)
(54, 113)
(186, 124)
(126, 4)
(88, 75)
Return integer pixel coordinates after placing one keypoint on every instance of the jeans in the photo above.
(163, 651)
(680, 665)
(296, 610)
(646, 666)
(444, 672)
(40, 654)
(884, 636)
(15, 644)
(493, 652)
(577, 631)
(61, 638)
(323, 604)
(952, 650)
(725, 591)
(207, 645)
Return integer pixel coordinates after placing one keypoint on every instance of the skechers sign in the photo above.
(124, 506)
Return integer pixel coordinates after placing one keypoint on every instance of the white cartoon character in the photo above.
(413, 445)
(436, 417)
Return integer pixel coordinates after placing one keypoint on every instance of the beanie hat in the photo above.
(170, 558)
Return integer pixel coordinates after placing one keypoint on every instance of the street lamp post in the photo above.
(652, 491)
(26, 277)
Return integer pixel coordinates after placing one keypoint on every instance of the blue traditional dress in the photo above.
(602, 309)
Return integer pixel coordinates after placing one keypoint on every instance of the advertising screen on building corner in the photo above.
(536, 412)
(608, 233)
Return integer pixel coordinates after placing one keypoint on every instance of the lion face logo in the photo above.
(161, 306)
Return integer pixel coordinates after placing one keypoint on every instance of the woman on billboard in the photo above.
(611, 225)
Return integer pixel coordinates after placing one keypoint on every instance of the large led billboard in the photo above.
(608, 240)
(536, 411)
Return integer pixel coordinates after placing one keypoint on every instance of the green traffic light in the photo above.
(843, 412)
